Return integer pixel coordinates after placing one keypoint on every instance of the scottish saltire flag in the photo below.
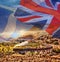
(44, 14)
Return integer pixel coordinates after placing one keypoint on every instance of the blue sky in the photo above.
(4, 15)
(10, 3)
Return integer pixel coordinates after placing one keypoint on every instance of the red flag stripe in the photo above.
(33, 6)
(59, 8)
(27, 18)
(48, 3)
(53, 26)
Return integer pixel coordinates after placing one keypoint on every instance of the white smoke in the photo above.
(21, 44)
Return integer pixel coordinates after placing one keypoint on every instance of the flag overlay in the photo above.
(16, 15)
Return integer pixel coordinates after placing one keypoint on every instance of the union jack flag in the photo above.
(17, 15)
(44, 14)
